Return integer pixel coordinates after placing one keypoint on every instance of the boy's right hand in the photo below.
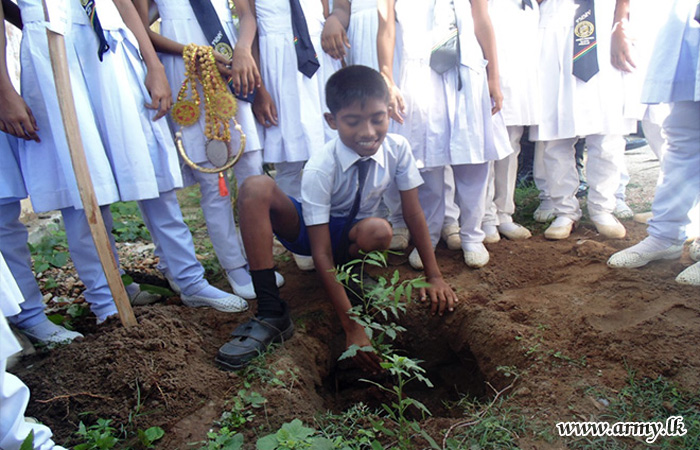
(367, 360)
(264, 108)
(334, 40)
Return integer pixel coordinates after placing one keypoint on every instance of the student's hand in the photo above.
(16, 118)
(159, 89)
(397, 107)
(334, 40)
(264, 108)
(223, 64)
(442, 297)
(244, 72)
(496, 95)
(620, 54)
(368, 361)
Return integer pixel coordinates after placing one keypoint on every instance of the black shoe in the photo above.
(633, 142)
(355, 289)
(253, 338)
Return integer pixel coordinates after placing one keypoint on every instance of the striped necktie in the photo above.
(89, 6)
(585, 44)
(307, 60)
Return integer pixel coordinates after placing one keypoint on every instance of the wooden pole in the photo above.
(59, 64)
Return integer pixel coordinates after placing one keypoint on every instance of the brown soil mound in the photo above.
(554, 310)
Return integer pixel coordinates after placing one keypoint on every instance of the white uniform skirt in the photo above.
(571, 107)
(179, 23)
(11, 182)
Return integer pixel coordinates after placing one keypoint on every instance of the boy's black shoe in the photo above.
(253, 338)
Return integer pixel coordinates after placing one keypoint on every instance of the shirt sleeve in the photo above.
(407, 175)
(316, 189)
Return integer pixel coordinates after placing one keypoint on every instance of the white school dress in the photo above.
(518, 46)
(571, 107)
(123, 165)
(179, 23)
(299, 99)
(11, 182)
(446, 125)
(362, 33)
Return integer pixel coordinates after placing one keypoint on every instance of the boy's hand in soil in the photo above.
(442, 297)
(368, 360)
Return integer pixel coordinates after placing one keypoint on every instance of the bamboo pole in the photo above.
(59, 64)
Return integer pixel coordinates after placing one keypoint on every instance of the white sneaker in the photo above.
(138, 297)
(450, 234)
(514, 231)
(643, 217)
(492, 235)
(643, 253)
(414, 260)
(608, 226)
(171, 282)
(691, 275)
(559, 229)
(215, 298)
(303, 262)
(476, 255)
(694, 249)
(622, 210)
(543, 215)
(399, 241)
(247, 291)
(49, 334)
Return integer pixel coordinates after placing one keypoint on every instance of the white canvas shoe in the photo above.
(608, 226)
(691, 275)
(450, 234)
(622, 210)
(215, 298)
(492, 235)
(559, 229)
(694, 249)
(476, 256)
(543, 215)
(414, 260)
(246, 290)
(303, 262)
(399, 241)
(514, 231)
(49, 334)
(650, 249)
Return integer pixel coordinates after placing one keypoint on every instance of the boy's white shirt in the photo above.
(329, 180)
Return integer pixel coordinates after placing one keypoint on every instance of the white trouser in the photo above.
(605, 157)
(679, 181)
(503, 174)
(251, 163)
(471, 181)
(288, 177)
(431, 195)
(539, 176)
(451, 208)
(653, 133)
(13, 246)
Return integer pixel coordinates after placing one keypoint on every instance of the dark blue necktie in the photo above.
(527, 3)
(341, 253)
(585, 63)
(307, 61)
(89, 7)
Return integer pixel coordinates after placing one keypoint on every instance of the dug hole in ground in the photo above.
(545, 322)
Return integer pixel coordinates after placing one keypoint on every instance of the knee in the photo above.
(374, 234)
(256, 190)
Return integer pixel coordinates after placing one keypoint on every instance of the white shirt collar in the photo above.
(347, 156)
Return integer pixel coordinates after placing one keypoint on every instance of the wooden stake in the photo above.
(59, 64)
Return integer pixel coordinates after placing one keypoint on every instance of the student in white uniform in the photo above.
(515, 23)
(116, 128)
(180, 26)
(448, 117)
(14, 395)
(674, 77)
(589, 105)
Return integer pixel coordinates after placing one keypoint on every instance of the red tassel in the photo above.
(223, 189)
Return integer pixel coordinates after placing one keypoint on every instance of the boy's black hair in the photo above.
(352, 84)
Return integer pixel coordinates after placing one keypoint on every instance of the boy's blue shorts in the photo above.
(302, 245)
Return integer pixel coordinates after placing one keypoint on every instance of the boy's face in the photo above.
(361, 127)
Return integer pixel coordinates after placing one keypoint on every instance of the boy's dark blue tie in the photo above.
(341, 253)
(307, 60)
(585, 44)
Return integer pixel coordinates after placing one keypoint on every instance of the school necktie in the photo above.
(697, 13)
(444, 55)
(307, 60)
(585, 44)
(341, 252)
(527, 3)
(89, 6)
